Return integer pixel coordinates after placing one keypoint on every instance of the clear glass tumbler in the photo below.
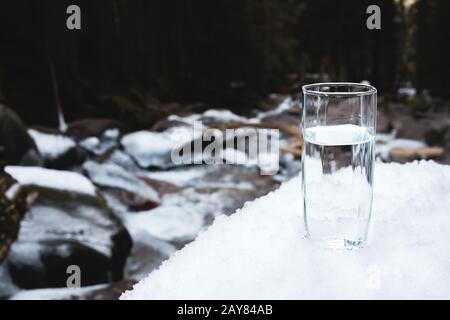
(339, 126)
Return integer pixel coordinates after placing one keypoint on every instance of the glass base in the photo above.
(337, 244)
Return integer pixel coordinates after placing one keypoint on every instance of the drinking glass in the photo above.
(339, 126)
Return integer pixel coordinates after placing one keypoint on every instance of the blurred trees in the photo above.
(227, 53)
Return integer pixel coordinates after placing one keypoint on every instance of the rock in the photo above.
(437, 129)
(283, 119)
(133, 114)
(105, 143)
(123, 160)
(147, 254)
(43, 264)
(85, 128)
(13, 205)
(164, 124)
(407, 127)
(63, 228)
(132, 201)
(447, 147)
(423, 101)
(154, 149)
(32, 158)
(403, 155)
(383, 122)
(113, 176)
(162, 187)
(235, 185)
(296, 152)
(15, 142)
(58, 151)
(7, 286)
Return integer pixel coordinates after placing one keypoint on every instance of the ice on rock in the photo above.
(54, 179)
(259, 252)
(51, 146)
(114, 176)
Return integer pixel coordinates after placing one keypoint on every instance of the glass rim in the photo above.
(365, 89)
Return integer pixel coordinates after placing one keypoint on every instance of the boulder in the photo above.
(56, 150)
(66, 227)
(436, 132)
(85, 128)
(13, 205)
(15, 143)
(123, 185)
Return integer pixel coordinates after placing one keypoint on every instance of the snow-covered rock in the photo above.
(260, 253)
(214, 115)
(51, 146)
(285, 105)
(113, 176)
(385, 146)
(53, 179)
(153, 149)
(105, 143)
(68, 223)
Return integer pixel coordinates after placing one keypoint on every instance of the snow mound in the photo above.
(54, 179)
(259, 252)
(51, 146)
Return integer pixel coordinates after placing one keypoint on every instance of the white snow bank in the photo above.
(259, 252)
(54, 179)
(51, 146)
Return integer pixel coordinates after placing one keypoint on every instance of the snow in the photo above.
(105, 143)
(53, 179)
(155, 148)
(223, 116)
(260, 253)
(114, 176)
(51, 146)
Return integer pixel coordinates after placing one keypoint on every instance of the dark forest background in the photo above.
(131, 59)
